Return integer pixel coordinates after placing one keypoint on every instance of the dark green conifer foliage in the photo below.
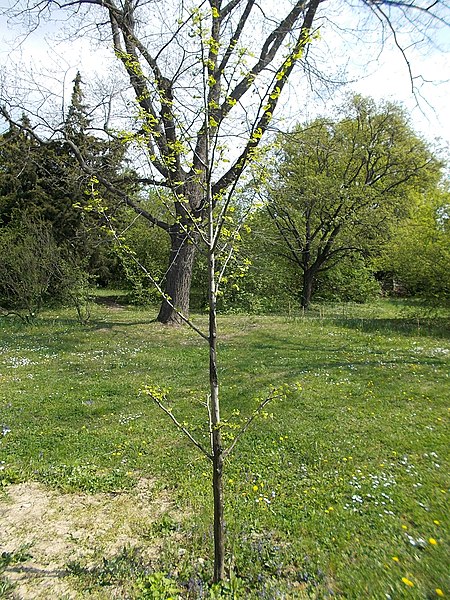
(77, 121)
(45, 182)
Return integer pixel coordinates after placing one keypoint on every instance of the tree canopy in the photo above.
(418, 256)
(204, 81)
(340, 186)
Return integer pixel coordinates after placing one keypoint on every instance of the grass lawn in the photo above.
(340, 492)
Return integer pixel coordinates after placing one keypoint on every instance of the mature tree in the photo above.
(45, 180)
(77, 121)
(17, 170)
(201, 75)
(341, 185)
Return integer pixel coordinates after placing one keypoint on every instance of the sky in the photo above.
(429, 105)
(379, 75)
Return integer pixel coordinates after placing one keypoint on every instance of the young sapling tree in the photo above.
(200, 77)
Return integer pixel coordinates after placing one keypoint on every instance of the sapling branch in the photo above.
(250, 420)
(181, 427)
(223, 212)
(159, 289)
(230, 252)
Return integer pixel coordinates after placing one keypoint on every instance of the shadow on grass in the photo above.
(31, 572)
(294, 356)
(118, 569)
(17, 326)
(97, 325)
(436, 327)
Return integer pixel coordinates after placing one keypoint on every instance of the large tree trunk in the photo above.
(307, 289)
(179, 277)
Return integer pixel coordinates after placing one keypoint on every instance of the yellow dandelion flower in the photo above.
(432, 541)
(436, 522)
(439, 592)
(404, 527)
(255, 488)
(407, 582)
(395, 559)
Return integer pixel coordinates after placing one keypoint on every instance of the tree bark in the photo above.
(219, 530)
(216, 436)
(307, 289)
(179, 276)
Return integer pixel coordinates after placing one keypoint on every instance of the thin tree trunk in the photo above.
(216, 436)
(179, 277)
(219, 530)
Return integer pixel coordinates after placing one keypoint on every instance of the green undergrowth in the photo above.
(340, 490)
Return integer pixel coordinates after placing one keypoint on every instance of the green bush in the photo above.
(35, 271)
(351, 280)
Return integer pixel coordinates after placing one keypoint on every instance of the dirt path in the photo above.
(59, 528)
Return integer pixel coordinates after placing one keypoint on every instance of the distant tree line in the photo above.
(348, 207)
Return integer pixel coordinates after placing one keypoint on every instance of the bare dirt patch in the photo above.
(59, 528)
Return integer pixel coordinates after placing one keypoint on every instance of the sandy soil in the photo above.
(65, 527)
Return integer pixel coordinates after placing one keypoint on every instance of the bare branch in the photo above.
(181, 427)
(236, 35)
(280, 79)
(249, 421)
